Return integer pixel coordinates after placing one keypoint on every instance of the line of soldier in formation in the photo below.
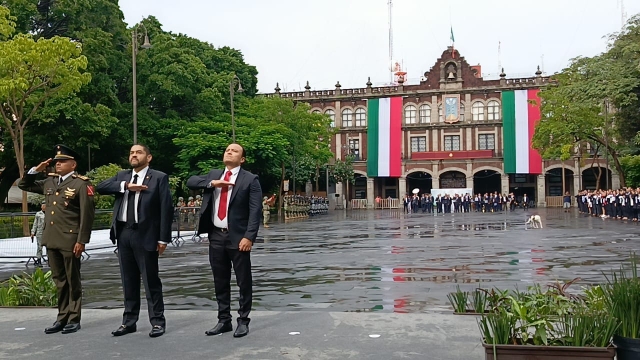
(447, 204)
(298, 206)
(622, 204)
(187, 210)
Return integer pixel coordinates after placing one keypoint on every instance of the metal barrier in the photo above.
(387, 204)
(358, 204)
(14, 244)
(554, 201)
(185, 220)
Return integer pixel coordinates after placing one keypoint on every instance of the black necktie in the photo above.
(131, 203)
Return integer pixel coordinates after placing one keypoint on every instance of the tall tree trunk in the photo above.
(7, 178)
(618, 166)
(18, 145)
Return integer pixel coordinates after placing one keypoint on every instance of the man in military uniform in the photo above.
(181, 204)
(36, 231)
(68, 221)
(191, 212)
(266, 209)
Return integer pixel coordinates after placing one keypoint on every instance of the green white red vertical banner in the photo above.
(384, 137)
(520, 114)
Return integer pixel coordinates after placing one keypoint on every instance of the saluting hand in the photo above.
(43, 165)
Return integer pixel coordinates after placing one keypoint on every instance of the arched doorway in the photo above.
(487, 181)
(419, 180)
(553, 181)
(596, 177)
(359, 188)
(453, 180)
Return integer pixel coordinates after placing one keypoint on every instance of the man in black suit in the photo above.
(141, 225)
(230, 214)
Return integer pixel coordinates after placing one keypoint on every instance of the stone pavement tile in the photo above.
(322, 335)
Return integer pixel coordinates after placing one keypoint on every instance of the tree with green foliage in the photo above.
(272, 130)
(342, 172)
(631, 168)
(84, 119)
(578, 106)
(98, 175)
(31, 73)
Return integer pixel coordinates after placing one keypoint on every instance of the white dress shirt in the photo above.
(123, 214)
(217, 222)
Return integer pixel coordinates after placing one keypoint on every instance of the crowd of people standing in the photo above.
(622, 204)
(458, 203)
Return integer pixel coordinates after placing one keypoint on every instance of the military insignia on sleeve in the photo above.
(70, 192)
(90, 190)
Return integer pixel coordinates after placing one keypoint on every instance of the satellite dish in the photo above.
(423, 78)
(416, 191)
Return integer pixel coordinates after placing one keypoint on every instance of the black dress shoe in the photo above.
(241, 330)
(124, 330)
(220, 328)
(71, 328)
(156, 331)
(56, 327)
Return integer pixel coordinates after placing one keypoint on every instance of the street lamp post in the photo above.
(134, 51)
(606, 142)
(232, 89)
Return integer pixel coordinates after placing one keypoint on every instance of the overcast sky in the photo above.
(324, 41)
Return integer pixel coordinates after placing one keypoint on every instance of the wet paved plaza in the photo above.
(388, 261)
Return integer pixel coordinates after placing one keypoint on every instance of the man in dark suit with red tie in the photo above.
(230, 214)
(141, 225)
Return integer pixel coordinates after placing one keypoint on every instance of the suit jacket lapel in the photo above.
(126, 178)
(145, 181)
(236, 187)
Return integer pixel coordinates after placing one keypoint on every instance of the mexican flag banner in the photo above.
(384, 137)
(520, 113)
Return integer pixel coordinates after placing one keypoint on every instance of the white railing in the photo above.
(387, 204)
(358, 204)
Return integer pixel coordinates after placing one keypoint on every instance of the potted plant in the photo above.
(480, 300)
(547, 325)
(621, 298)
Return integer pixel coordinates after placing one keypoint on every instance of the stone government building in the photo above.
(442, 151)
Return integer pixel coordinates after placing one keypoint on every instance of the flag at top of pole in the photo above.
(453, 41)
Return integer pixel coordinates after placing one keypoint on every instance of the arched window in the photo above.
(332, 116)
(425, 114)
(477, 111)
(410, 114)
(347, 118)
(462, 111)
(493, 110)
(316, 111)
(440, 113)
(361, 117)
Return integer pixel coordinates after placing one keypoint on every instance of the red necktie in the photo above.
(224, 193)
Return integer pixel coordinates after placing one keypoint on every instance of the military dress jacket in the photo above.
(70, 209)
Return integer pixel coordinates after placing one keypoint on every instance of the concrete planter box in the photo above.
(532, 352)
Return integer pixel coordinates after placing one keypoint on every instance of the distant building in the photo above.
(469, 141)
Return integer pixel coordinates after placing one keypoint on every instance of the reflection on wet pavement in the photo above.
(388, 261)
